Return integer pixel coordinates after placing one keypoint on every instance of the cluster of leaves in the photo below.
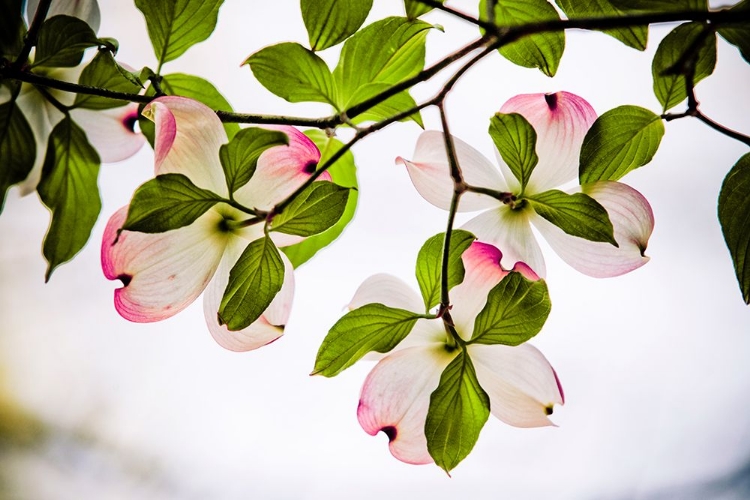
(377, 66)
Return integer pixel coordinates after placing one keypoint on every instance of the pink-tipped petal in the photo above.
(483, 272)
(509, 230)
(187, 141)
(520, 382)
(281, 170)
(396, 396)
(85, 10)
(561, 121)
(111, 131)
(267, 328)
(632, 220)
(430, 173)
(388, 290)
(161, 273)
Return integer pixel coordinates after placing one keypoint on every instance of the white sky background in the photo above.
(654, 364)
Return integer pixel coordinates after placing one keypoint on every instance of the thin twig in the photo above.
(33, 34)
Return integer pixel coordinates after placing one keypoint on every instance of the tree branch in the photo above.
(33, 34)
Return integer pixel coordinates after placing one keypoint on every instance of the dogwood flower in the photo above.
(561, 121)
(520, 382)
(110, 132)
(163, 273)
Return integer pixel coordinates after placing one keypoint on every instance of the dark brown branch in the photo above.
(33, 34)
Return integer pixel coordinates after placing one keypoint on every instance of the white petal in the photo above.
(632, 220)
(520, 382)
(483, 272)
(396, 396)
(561, 121)
(280, 170)
(510, 231)
(187, 141)
(267, 328)
(430, 173)
(162, 273)
(388, 290)
(85, 10)
(111, 131)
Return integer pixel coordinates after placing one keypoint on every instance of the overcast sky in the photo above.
(654, 363)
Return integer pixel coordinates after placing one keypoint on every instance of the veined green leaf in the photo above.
(254, 281)
(633, 36)
(316, 209)
(515, 139)
(458, 410)
(429, 264)
(516, 311)
(12, 28)
(390, 107)
(104, 72)
(17, 147)
(670, 62)
(167, 202)
(62, 40)
(620, 140)
(541, 50)
(415, 8)
(176, 25)
(734, 216)
(193, 87)
(344, 173)
(330, 22)
(372, 327)
(577, 214)
(69, 189)
(293, 73)
(240, 156)
(738, 34)
(387, 51)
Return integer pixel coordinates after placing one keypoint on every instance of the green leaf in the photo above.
(12, 28)
(254, 281)
(620, 140)
(738, 34)
(516, 311)
(193, 87)
(294, 73)
(372, 327)
(17, 147)
(672, 62)
(632, 36)
(167, 202)
(541, 50)
(330, 22)
(69, 189)
(390, 107)
(344, 173)
(458, 410)
(240, 156)
(176, 25)
(577, 214)
(62, 40)
(429, 264)
(734, 216)
(515, 139)
(104, 72)
(387, 51)
(415, 8)
(316, 209)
